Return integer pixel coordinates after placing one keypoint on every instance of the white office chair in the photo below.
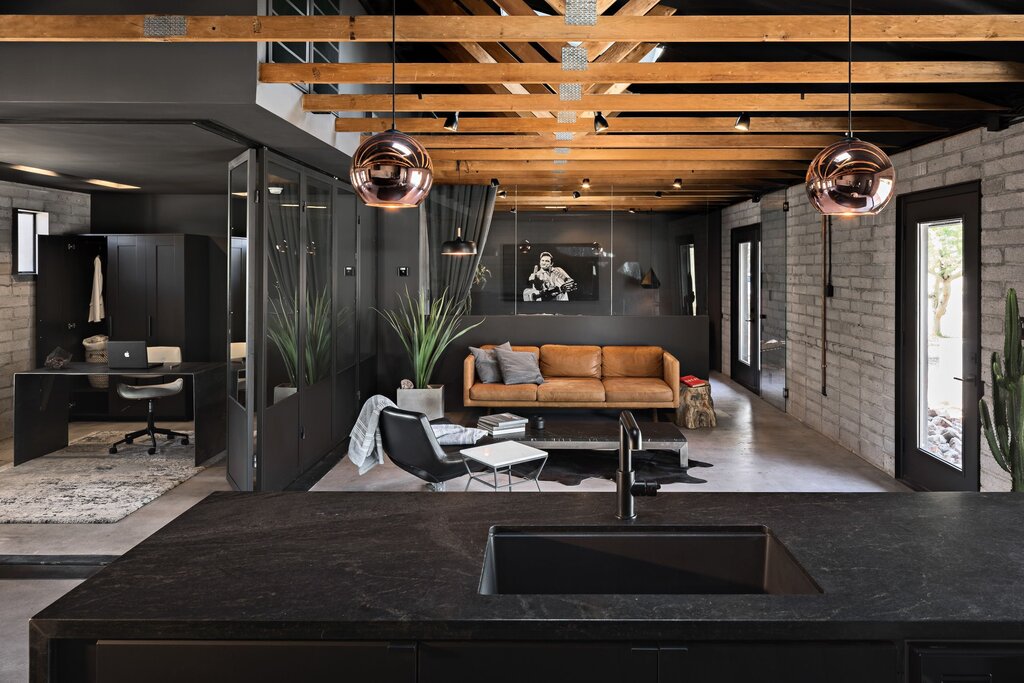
(150, 393)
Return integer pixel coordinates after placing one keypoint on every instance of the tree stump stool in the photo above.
(696, 408)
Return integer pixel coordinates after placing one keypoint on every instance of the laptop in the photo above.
(128, 355)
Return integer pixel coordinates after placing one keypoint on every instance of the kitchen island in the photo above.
(385, 587)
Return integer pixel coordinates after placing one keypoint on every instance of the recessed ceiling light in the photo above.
(111, 184)
(33, 169)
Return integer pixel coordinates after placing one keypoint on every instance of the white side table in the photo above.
(503, 455)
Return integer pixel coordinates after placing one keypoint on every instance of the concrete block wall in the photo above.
(69, 213)
(859, 410)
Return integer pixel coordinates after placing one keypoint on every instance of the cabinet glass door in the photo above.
(318, 325)
(241, 374)
(346, 387)
(746, 308)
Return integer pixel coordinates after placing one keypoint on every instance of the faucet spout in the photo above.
(626, 485)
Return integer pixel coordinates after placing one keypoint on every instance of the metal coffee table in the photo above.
(600, 435)
(503, 455)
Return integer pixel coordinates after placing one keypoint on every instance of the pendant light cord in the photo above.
(849, 70)
(394, 58)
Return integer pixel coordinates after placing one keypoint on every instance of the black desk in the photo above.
(41, 409)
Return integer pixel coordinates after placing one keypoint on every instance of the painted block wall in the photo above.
(859, 411)
(69, 213)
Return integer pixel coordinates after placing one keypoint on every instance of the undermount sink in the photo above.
(641, 560)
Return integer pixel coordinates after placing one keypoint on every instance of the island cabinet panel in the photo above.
(213, 661)
(658, 663)
(467, 662)
(966, 663)
(784, 662)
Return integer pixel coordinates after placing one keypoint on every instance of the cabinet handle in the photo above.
(71, 326)
(149, 326)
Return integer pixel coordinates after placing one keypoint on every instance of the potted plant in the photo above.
(283, 331)
(1004, 427)
(425, 328)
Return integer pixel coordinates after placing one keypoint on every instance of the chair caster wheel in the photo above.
(152, 451)
(129, 441)
(184, 442)
(113, 450)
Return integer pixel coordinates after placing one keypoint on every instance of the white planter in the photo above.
(283, 391)
(429, 401)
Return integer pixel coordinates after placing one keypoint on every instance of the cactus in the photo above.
(1005, 431)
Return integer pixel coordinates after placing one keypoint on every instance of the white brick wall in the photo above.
(69, 213)
(859, 411)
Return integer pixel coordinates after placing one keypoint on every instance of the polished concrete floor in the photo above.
(754, 448)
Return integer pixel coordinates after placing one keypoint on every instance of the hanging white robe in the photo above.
(96, 312)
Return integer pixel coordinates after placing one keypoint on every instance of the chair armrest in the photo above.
(670, 373)
(468, 377)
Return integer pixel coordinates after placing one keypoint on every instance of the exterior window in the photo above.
(28, 225)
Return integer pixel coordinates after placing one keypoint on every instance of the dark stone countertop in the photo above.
(407, 566)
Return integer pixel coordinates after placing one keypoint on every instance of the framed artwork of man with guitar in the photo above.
(548, 282)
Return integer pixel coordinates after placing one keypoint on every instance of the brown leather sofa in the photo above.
(584, 377)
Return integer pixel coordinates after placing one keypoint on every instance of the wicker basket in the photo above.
(96, 352)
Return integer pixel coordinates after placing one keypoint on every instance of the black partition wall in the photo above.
(294, 328)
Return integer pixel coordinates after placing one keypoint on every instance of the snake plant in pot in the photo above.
(426, 328)
(1004, 427)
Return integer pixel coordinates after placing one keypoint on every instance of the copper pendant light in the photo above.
(851, 177)
(392, 170)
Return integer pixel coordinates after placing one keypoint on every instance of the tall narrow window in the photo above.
(743, 301)
(28, 225)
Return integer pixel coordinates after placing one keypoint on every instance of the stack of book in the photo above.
(502, 424)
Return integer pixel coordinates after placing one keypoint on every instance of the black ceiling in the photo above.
(174, 158)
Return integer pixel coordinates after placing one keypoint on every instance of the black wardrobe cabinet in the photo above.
(156, 289)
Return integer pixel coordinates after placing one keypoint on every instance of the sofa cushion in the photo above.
(560, 360)
(486, 363)
(535, 350)
(627, 389)
(503, 392)
(631, 361)
(582, 389)
(519, 367)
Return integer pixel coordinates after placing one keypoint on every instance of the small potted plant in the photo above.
(426, 328)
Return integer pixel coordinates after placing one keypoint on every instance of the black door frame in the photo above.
(748, 376)
(913, 467)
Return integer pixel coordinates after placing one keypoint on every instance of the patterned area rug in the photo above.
(84, 484)
(572, 467)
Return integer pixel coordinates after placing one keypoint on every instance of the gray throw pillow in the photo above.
(519, 367)
(487, 363)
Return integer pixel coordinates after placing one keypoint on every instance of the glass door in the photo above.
(746, 305)
(940, 338)
(241, 311)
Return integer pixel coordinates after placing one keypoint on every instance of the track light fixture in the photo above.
(600, 123)
(494, 182)
(585, 184)
(452, 122)
(756, 199)
(575, 194)
(502, 193)
(677, 183)
(512, 210)
(632, 210)
(659, 194)
(742, 122)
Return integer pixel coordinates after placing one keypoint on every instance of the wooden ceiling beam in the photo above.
(647, 102)
(725, 141)
(655, 72)
(590, 166)
(519, 29)
(640, 124)
(636, 154)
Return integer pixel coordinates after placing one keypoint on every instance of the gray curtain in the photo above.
(446, 208)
